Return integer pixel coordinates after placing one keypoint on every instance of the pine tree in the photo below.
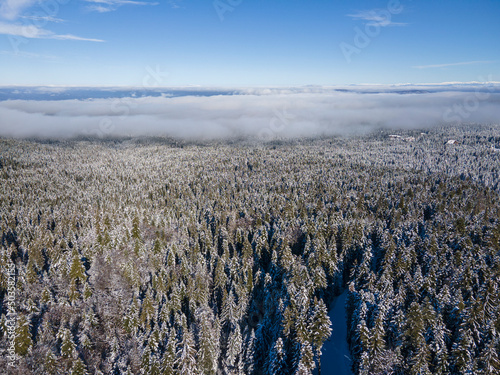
(462, 351)
(249, 354)
(233, 353)
(46, 296)
(364, 364)
(418, 352)
(228, 314)
(306, 360)
(377, 341)
(87, 291)
(440, 333)
(208, 345)
(146, 361)
(77, 270)
(23, 342)
(363, 336)
(78, 368)
(169, 357)
(67, 344)
(186, 354)
(50, 364)
(73, 294)
(136, 234)
(131, 318)
(147, 312)
(277, 358)
(320, 327)
(157, 247)
(154, 367)
(114, 350)
(301, 329)
(489, 359)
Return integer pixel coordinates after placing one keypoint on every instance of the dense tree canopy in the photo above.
(146, 256)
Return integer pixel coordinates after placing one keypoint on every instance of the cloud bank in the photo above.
(261, 113)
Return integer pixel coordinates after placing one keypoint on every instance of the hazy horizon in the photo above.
(266, 113)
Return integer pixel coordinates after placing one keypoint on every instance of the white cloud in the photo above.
(103, 6)
(452, 64)
(29, 55)
(37, 18)
(33, 32)
(74, 37)
(10, 9)
(27, 31)
(281, 114)
(381, 17)
(99, 9)
(31, 28)
(175, 4)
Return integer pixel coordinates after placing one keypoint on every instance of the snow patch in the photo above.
(336, 358)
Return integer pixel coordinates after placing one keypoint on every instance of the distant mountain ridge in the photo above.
(51, 93)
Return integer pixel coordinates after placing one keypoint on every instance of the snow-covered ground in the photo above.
(335, 358)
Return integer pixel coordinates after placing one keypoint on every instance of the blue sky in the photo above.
(247, 42)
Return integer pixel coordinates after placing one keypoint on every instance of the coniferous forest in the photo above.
(157, 256)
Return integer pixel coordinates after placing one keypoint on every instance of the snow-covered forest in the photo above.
(155, 256)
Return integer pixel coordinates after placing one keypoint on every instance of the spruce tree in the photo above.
(78, 368)
(186, 354)
(77, 270)
(23, 342)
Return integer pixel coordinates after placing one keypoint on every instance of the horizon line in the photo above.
(246, 86)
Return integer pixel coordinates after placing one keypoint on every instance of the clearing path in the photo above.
(335, 358)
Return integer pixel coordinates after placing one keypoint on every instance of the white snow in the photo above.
(335, 358)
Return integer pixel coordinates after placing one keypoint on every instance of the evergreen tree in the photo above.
(50, 364)
(277, 358)
(320, 327)
(67, 344)
(249, 353)
(208, 345)
(489, 359)
(77, 270)
(23, 342)
(462, 351)
(169, 357)
(78, 368)
(186, 354)
(233, 353)
(377, 341)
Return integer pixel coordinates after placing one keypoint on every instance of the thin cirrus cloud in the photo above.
(379, 16)
(43, 19)
(28, 55)
(452, 64)
(104, 6)
(33, 32)
(12, 10)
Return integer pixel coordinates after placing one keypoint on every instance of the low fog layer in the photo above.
(262, 113)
